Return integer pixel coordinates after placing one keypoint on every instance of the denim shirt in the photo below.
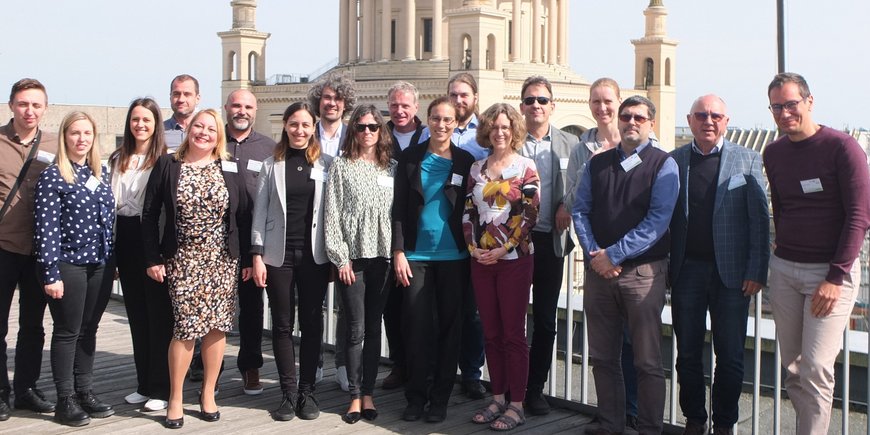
(73, 222)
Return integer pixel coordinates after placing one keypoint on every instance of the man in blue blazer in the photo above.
(719, 254)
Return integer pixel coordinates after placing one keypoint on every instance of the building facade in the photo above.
(425, 42)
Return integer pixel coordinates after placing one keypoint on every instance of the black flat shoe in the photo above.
(174, 423)
(351, 417)
(370, 414)
(208, 416)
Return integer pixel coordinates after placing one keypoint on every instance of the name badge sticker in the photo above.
(736, 181)
(92, 184)
(456, 180)
(631, 162)
(255, 165)
(318, 176)
(812, 185)
(228, 166)
(44, 157)
(385, 181)
(563, 164)
(509, 173)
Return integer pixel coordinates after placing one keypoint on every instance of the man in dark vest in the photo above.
(621, 212)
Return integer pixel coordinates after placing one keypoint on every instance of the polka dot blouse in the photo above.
(73, 221)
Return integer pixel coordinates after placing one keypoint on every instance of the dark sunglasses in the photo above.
(528, 101)
(372, 127)
(627, 117)
(702, 116)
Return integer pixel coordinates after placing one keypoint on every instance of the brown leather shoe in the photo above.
(251, 379)
(395, 379)
(695, 428)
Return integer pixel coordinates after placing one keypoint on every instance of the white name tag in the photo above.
(811, 186)
(44, 157)
(92, 183)
(509, 173)
(631, 162)
(385, 181)
(456, 180)
(255, 165)
(736, 181)
(228, 166)
(318, 175)
(563, 164)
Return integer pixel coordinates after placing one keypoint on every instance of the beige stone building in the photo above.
(500, 42)
(110, 121)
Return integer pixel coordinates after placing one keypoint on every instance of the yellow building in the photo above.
(425, 42)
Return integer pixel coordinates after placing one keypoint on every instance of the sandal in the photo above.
(487, 415)
(508, 422)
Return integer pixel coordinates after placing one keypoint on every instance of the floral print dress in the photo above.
(202, 275)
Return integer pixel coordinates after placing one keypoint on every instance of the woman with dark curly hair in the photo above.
(359, 198)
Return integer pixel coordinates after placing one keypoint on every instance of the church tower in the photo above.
(243, 50)
(655, 59)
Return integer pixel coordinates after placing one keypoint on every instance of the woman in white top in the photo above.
(147, 301)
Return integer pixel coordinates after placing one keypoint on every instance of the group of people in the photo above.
(443, 228)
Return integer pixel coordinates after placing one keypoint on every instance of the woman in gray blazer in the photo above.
(287, 244)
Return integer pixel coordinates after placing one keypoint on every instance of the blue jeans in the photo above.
(698, 288)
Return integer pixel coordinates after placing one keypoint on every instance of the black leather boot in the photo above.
(69, 412)
(93, 406)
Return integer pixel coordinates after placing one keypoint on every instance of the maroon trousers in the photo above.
(502, 292)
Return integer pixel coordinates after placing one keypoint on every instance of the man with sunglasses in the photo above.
(820, 193)
(719, 253)
(621, 213)
(550, 148)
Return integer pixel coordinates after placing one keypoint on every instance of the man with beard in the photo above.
(331, 98)
(462, 91)
(621, 212)
(249, 149)
(183, 98)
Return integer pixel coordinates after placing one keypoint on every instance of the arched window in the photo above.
(230, 70)
(252, 66)
(668, 72)
(466, 51)
(648, 75)
(491, 53)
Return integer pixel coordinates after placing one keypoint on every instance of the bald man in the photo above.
(719, 255)
(249, 149)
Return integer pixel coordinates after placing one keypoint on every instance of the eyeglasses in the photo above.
(528, 101)
(437, 120)
(372, 127)
(788, 105)
(627, 117)
(702, 116)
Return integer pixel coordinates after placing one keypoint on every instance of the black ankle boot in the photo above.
(93, 406)
(69, 412)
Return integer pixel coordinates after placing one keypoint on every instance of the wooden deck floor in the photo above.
(114, 377)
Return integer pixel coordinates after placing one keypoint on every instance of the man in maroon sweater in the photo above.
(820, 192)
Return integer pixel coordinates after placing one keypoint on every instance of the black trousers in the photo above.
(76, 316)
(300, 277)
(363, 307)
(20, 270)
(149, 310)
(546, 284)
(393, 324)
(250, 326)
(432, 321)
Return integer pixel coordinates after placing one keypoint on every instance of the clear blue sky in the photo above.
(108, 52)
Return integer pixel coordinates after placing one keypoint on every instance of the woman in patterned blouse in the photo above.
(500, 210)
(147, 301)
(75, 211)
(359, 198)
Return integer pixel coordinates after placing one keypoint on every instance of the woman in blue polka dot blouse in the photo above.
(75, 211)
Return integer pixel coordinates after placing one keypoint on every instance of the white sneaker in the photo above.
(155, 405)
(135, 398)
(341, 378)
(318, 376)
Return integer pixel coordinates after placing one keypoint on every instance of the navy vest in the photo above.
(620, 200)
